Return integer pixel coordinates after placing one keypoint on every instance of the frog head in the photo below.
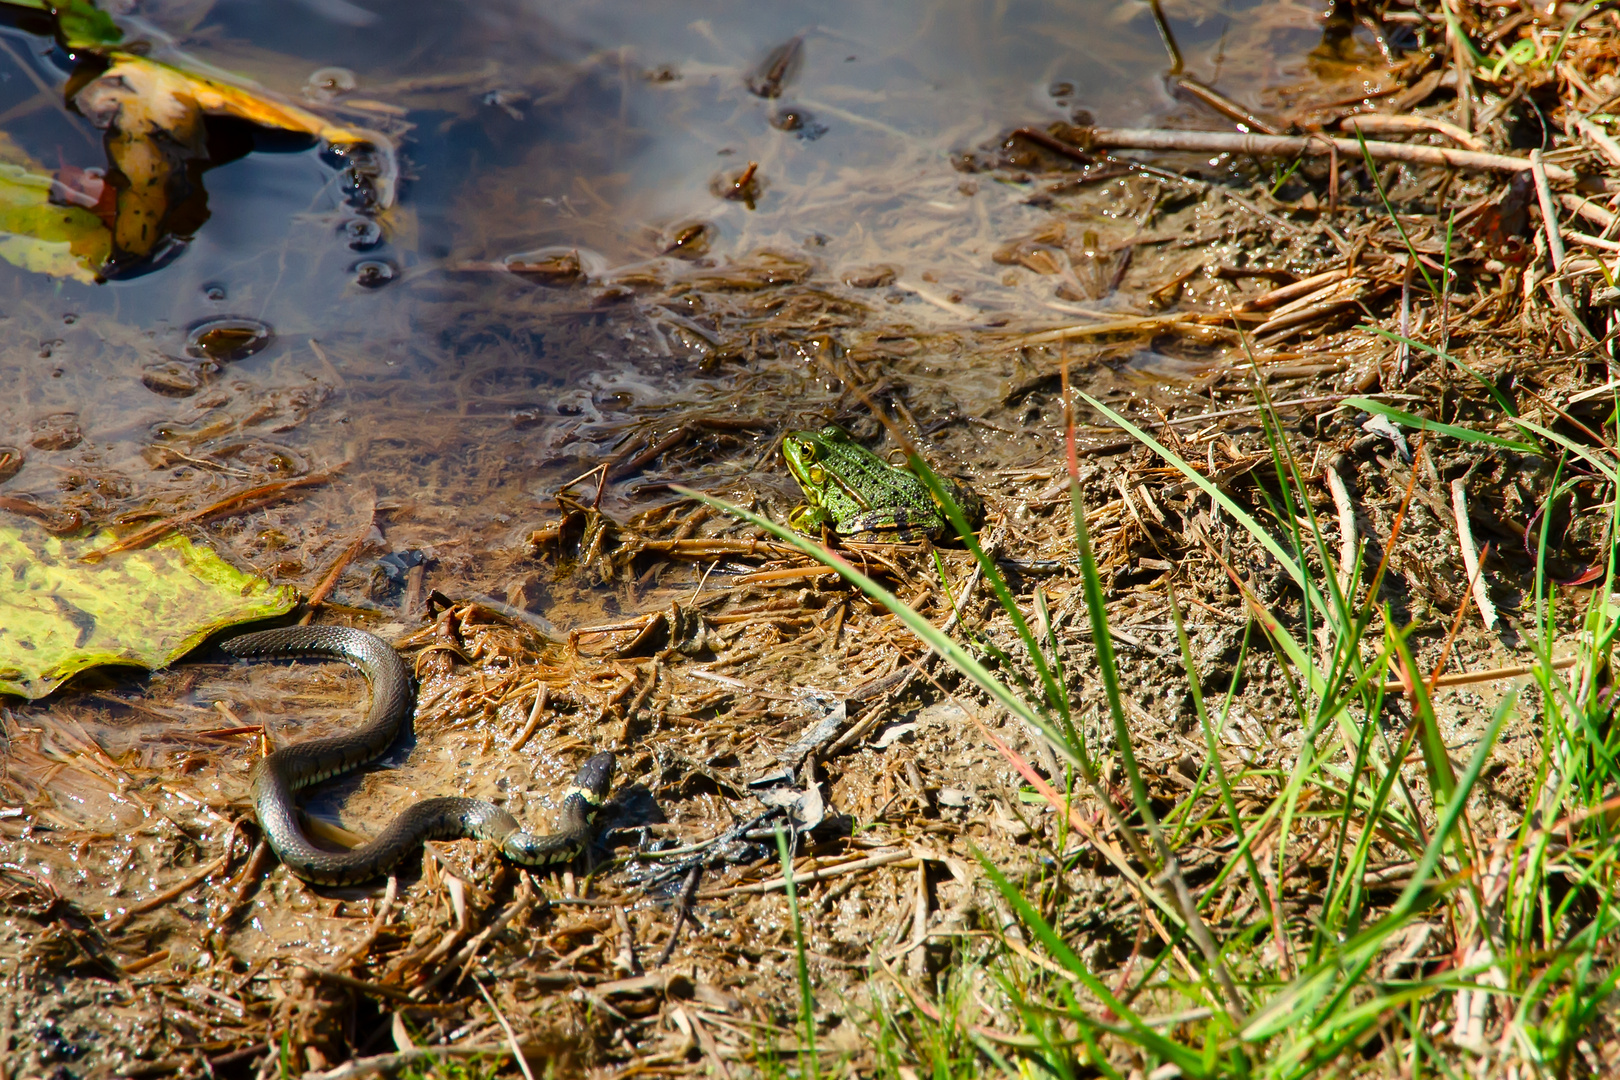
(808, 455)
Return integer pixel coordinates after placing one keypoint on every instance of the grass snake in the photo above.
(278, 775)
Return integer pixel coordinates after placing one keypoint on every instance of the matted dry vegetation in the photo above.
(747, 689)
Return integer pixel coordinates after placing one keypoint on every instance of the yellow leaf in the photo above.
(60, 615)
(35, 234)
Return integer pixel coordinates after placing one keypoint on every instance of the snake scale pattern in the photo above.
(278, 775)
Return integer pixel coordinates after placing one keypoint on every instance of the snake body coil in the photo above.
(277, 776)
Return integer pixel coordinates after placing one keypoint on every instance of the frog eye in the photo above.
(808, 450)
(817, 474)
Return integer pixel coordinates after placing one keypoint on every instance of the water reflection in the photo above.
(558, 161)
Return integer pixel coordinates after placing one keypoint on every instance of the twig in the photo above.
(462, 961)
(250, 499)
(142, 964)
(365, 986)
(249, 877)
(820, 873)
(1406, 123)
(1148, 324)
(681, 909)
(919, 914)
(532, 722)
(1403, 360)
(511, 1036)
(1057, 146)
(1199, 418)
(118, 922)
(54, 521)
(1185, 87)
(415, 577)
(231, 732)
(1294, 290)
(1346, 510)
(1290, 146)
(1466, 678)
(1585, 207)
(1294, 320)
(1461, 64)
(706, 1042)
(626, 960)
(1589, 241)
(1555, 247)
(788, 574)
(390, 894)
(1549, 216)
(1470, 553)
(329, 582)
(1601, 138)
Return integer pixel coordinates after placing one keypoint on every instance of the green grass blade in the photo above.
(1418, 422)
(1189, 1061)
(807, 1002)
(1389, 209)
(931, 635)
(1442, 777)
(1057, 693)
(1335, 978)
(1242, 516)
(1606, 467)
(1212, 745)
(1487, 385)
(1103, 642)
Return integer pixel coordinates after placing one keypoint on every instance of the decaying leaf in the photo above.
(38, 235)
(79, 23)
(82, 25)
(63, 615)
(153, 114)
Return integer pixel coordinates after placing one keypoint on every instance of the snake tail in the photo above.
(278, 775)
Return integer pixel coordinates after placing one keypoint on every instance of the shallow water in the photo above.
(593, 127)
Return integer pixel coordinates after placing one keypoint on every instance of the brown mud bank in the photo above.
(497, 501)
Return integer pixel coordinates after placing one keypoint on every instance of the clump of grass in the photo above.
(452, 1068)
(1425, 935)
(809, 1062)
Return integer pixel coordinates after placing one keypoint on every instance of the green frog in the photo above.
(858, 495)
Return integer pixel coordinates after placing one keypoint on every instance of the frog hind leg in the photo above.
(891, 527)
(966, 499)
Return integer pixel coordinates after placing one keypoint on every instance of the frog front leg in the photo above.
(809, 519)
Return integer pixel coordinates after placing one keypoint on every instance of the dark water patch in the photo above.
(228, 339)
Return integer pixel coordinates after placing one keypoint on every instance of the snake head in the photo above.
(594, 779)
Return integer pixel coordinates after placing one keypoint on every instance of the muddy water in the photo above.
(449, 398)
(603, 128)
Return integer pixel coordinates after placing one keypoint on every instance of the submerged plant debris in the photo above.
(1341, 406)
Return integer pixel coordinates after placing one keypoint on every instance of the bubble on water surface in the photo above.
(326, 83)
(362, 234)
(373, 273)
(228, 339)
